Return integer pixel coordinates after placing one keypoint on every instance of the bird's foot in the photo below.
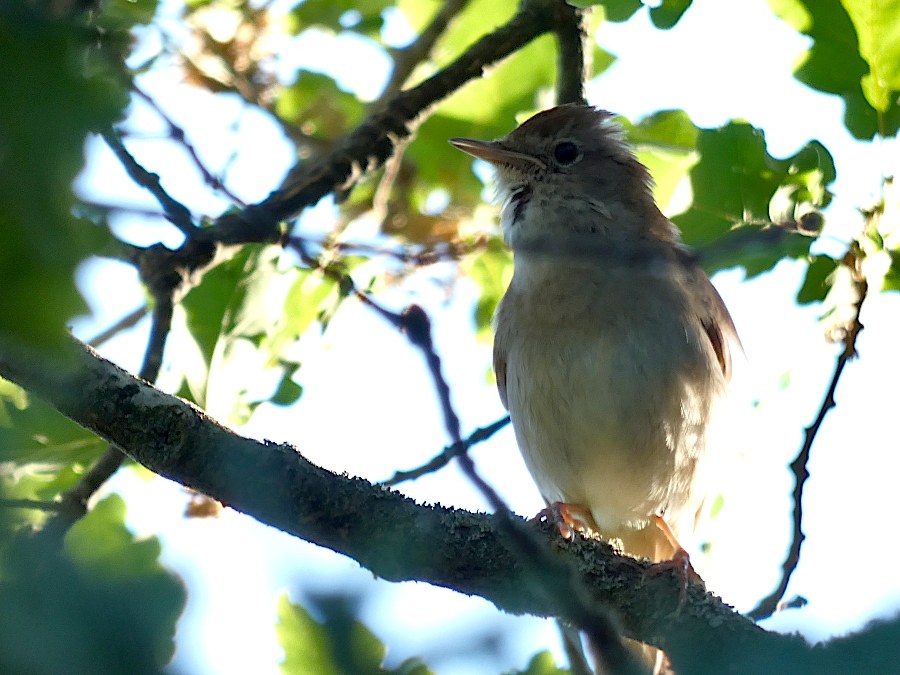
(684, 572)
(680, 564)
(569, 518)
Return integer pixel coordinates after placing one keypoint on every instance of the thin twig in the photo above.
(373, 141)
(421, 258)
(159, 331)
(381, 198)
(770, 604)
(552, 578)
(124, 323)
(177, 134)
(448, 453)
(343, 280)
(124, 208)
(574, 51)
(176, 212)
(29, 504)
(73, 502)
(407, 58)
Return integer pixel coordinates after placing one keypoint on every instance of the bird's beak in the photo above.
(496, 154)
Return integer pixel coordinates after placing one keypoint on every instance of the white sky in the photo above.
(722, 60)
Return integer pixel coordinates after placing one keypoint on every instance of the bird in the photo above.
(612, 348)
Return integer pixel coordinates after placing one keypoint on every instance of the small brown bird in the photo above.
(612, 346)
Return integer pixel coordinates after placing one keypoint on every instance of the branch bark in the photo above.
(390, 534)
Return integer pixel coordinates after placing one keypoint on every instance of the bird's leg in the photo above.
(570, 518)
(679, 563)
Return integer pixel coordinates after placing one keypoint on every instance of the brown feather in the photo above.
(500, 370)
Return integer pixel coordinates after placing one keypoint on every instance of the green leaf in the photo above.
(42, 453)
(668, 13)
(620, 10)
(102, 546)
(541, 663)
(739, 188)
(55, 91)
(666, 144)
(126, 14)
(288, 391)
(756, 249)
(784, 380)
(716, 507)
(307, 650)
(327, 14)
(491, 270)
(102, 606)
(246, 312)
(338, 645)
(318, 107)
(210, 305)
(309, 292)
(668, 128)
(12, 396)
(815, 284)
(438, 165)
(855, 54)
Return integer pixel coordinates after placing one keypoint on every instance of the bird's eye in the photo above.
(565, 152)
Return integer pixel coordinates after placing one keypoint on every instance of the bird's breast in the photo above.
(610, 387)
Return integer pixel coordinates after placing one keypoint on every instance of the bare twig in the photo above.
(73, 502)
(382, 196)
(159, 331)
(344, 281)
(124, 208)
(574, 50)
(176, 212)
(373, 141)
(72, 505)
(124, 323)
(177, 134)
(421, 257)
(448, 453)
(551, 578)
(770, 604)
(30, 504)
(407, 58)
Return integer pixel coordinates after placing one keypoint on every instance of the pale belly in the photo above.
(612, 419)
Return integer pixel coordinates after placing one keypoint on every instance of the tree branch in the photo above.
(407, 58)
(388, 533)
(176, 133)
(373, 141)
(73, 503)
(552, 579)
(442, 459)
(126, 322)
(573, 44)
(771, 604)
(176, 212)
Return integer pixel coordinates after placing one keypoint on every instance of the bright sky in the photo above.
(723, 59)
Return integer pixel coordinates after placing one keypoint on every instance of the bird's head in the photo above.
(570, 168)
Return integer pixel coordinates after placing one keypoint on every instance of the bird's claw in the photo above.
(684, 572)
(569, 519)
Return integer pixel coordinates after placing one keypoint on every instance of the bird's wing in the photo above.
(716, 322)
(711, 311)
(500, 368)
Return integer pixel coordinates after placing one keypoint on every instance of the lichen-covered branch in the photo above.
(390, 534)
